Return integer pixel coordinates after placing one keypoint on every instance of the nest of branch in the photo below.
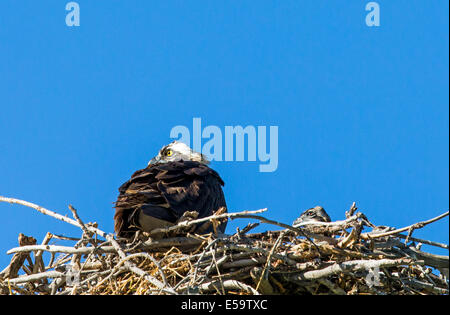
(316, 258)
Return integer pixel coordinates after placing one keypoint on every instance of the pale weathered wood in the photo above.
(313, 258)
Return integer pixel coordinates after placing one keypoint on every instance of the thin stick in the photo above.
(59, 249)
(334, 224)
(51, 213)
(431, 243)
(39, 263)
(227, 284)
(185, 224)
(418, 225)
(132, 267)
(266, 270)
(351, 211)
(36, 277)
(352, 266)
(145, 255)
(148, 245)
(78, 219)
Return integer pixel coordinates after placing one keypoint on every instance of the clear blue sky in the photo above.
(362, 112)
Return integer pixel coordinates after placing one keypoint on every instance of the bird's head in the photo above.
(317, 214)
(177, 151)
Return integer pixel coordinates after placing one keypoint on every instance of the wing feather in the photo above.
(166, 191)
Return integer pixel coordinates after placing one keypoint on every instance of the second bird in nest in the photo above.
(316, 214)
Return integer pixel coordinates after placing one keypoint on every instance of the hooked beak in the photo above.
(154, 160)
(204, 159)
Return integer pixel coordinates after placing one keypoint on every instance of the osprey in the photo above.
(317, 214)
(175, 183)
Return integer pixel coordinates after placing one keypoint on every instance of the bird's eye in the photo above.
(169, 153)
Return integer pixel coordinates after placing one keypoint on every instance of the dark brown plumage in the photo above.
(165, 191)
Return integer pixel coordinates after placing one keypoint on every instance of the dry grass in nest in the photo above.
(340, 257)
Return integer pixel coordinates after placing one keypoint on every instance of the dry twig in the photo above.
(342, 259)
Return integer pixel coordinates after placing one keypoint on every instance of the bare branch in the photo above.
(50, 213)
(418, 225)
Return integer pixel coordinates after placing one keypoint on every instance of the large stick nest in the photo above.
(317, 258)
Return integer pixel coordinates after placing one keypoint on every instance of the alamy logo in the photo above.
(73, 17)
(72, 277)
(231, 146)
(373, 17)
(373, 277)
